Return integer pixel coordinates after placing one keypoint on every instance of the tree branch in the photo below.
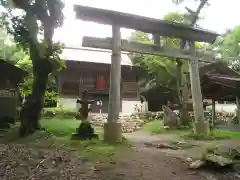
(194, 19)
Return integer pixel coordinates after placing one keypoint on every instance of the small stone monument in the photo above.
(10, 77)
(170, 119)
(85, 130)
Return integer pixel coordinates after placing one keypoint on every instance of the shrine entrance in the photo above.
(157, 28)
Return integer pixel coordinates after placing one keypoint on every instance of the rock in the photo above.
(84, 159)
(170, 118)
(161, 145)
(218, 160)
(237, 176)
(149, 144)
(236, 167)
(166, 146)
(188, 159)
(197, 164)
(130, 123)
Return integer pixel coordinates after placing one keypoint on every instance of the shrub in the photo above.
(50, 99)
(59, 112)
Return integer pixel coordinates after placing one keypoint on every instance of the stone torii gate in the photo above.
(112, 129)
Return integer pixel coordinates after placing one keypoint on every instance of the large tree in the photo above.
(32, 24)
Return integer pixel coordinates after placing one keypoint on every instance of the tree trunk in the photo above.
(238, 109)
(31, 112)
(182, 95)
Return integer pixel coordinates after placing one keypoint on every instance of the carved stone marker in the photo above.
(85, 130)
(8, 107)
(170, 118)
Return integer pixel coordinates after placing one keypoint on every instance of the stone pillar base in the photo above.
(113, 132)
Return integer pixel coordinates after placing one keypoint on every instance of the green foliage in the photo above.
(50, 99)
(31, 24)
(12, 53)
(60, 127)
(157, 127)
(162, 70)
(154, 127)
(215, 135)
(93, 149)
(229, 46)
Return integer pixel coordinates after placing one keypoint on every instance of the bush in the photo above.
(59, 112)
(50, 99)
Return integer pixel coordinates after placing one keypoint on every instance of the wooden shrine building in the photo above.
(89, 68)
(219, 82)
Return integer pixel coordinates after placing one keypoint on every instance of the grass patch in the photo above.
(154, 127)
(64, 127)
(157, 127)
(217, 134)
(57, 135)
(60, 113)
(226, 134)
(58, 109)
(93, 149)
(60, 127)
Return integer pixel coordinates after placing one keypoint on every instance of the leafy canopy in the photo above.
(162, 70)
(229, 46)
(31, 23)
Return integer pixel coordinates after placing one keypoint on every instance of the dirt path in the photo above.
(43, 161)
(145, 163)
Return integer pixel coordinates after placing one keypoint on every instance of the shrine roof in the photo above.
(144, 24)
(93, 55)
(217, 68)
(11, 72)
(218, 81)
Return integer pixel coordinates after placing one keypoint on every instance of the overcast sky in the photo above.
(219, 16)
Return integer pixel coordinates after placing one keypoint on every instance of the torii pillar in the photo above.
(201, 124)
(113, 128)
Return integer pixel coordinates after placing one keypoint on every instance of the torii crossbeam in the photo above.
(112, 129)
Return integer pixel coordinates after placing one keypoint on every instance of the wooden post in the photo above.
(201, 125)
(112, 129)
(213, 113)
(59, 88)
(238, 109)
(156, 40)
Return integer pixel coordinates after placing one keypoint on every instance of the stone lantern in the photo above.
(85, 130)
